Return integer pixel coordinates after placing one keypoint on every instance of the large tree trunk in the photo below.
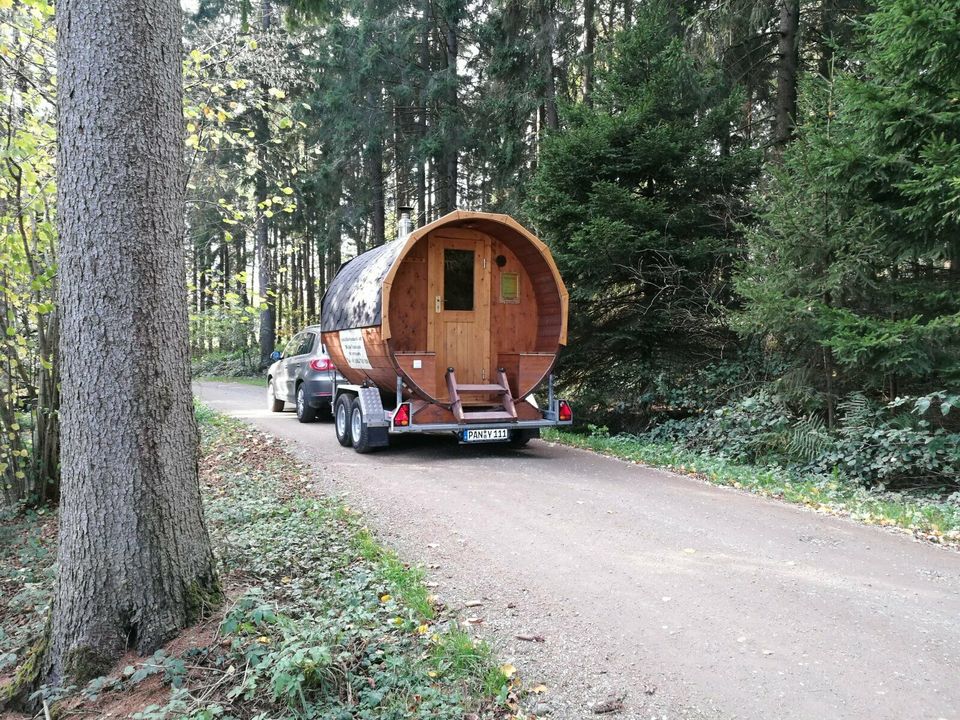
(135, 564)
(788, 50)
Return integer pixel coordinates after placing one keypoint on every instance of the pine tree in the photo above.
(135, 563)
(637, 199)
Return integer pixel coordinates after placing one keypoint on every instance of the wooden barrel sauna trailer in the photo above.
(451, 327)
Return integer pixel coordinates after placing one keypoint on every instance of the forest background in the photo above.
(755, 205)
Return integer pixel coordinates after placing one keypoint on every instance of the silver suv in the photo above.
(303, 375)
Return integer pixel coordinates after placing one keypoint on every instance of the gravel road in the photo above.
(684, 599)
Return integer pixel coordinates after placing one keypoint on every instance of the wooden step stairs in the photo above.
(501, 389)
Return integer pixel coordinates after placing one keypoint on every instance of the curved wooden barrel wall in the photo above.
(525, 334)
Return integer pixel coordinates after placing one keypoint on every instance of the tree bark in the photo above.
(548, 30)
(422, 110)
(828, 9)
(788, 52)
(374, 162)
(334, 230)
(451, 145)
(265, 273)
(589, 42)
(135, 564)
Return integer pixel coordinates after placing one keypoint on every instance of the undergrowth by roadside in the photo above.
(235, 364)
(931, 518)
(258, 380)
(27, 553)
(321, 621)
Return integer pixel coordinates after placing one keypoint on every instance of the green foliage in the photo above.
(873, 445)
(854, 265)
(330, 624)
(27, 557)
(335, 625)
(240, 363)
(29, 424)
(637, 198)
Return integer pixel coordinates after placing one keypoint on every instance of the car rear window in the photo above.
(307, 345)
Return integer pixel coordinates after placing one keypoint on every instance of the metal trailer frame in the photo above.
(379, 420)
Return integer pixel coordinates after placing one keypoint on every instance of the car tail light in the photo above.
(321, 364)
(401, 418)
(565, 414)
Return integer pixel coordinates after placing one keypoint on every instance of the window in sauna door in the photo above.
(458, 277)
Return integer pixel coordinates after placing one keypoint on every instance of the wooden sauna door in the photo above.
(458, 307)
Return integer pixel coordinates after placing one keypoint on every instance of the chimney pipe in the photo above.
(405, 223)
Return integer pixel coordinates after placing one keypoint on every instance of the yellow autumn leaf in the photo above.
(508, 670)
(385, 598)
(541, 688)
(423, 629)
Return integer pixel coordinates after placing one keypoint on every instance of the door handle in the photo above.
(439, 304)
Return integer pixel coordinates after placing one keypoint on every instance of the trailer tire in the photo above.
(341, 420)
(358, 428)
(520, 438)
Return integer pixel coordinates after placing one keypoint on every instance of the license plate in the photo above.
(486, 435)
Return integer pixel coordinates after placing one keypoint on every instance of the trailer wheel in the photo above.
(520, 438)
(341, 418)
(358, 429)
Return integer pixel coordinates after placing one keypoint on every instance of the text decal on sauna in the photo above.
(353, 350)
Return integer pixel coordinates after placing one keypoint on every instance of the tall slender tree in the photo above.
(788, 51)
(135, 563)
(265, 270)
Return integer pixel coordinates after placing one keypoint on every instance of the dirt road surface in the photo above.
(684, 599)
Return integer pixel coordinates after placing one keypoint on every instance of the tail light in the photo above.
(401, 418)
(565, 414)
(321, 364)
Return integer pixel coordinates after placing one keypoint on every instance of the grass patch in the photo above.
(259, 381)
(405, 582)
(933, 518)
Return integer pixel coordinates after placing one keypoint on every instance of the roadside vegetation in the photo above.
(235, 365)
(319, 620)
(799, 312)
(928, 512)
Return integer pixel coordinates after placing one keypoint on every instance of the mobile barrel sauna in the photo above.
(448, 328)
